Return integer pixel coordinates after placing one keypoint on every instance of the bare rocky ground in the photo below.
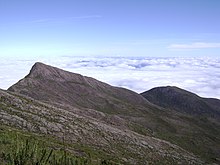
(92, 129)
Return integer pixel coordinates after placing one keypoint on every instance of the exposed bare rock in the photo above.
(33, 116)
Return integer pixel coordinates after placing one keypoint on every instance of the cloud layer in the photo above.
(199, 75)
(196, 45)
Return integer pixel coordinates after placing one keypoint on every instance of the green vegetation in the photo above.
(19, 148)
(202, 143)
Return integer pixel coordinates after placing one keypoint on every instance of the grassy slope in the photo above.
(200, 137)
(195, 123)
(19, 147)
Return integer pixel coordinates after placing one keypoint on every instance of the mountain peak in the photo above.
(42, 71)
(183, 101)
(171, 91)
(39, 70)
(50, 84)
(39, 65)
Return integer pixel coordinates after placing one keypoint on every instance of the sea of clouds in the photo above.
(198, 75)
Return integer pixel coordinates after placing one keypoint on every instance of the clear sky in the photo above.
(109, 28)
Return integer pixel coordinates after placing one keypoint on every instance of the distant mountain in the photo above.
(183, 101)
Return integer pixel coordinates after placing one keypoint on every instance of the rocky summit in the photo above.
(103, 124)
(56, 86)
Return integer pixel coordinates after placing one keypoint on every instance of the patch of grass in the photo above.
(198, 135)
(140, 129)
(20, 148)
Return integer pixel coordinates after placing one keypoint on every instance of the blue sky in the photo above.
(154, 28)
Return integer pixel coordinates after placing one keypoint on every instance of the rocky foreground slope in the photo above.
(112, 121)
(77, 127)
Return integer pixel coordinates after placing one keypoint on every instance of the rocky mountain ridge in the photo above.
(49, 84)
(114, 121)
